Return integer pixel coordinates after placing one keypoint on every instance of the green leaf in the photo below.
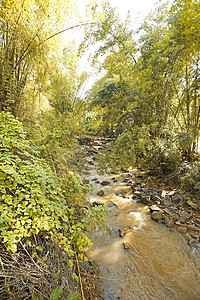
(36, 296)
(56, 293)
(73, 296)
(2, 176)
(39, 248)
(8, 169)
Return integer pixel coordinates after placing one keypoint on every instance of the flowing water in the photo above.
(157, 264)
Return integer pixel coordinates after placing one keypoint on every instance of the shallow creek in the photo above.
(157, 264)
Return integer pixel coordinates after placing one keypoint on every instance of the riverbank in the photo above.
(175, 208)
(139, 255)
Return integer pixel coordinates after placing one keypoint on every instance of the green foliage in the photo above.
(190, 175)
(128, 147)
(110, 104)
(62, 122)
(94, 124)
(96, 218)
(151, 104)
(118, 154)
(156, 155)
(36, 296)
(63, 82)
(27, 53)
(73, 296)
(110, 32)
(163, 156)
(33, 198)
(56, 294)
(58, 143)
(77, 235)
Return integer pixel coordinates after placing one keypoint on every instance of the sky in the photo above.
(139, 9)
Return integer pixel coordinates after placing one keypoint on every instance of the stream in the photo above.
(138, 258)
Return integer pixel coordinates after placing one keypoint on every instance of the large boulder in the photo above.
(176, 198)
(157, 215)
(146, 199)
(168, 221)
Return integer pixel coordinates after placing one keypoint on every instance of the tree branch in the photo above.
(50, 37)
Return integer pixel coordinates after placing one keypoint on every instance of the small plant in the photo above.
(56, 294)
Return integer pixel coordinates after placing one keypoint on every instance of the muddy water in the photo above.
(157, 264)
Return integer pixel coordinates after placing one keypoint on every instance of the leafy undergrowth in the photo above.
(33, 198)
(162, 157)
(34, 201)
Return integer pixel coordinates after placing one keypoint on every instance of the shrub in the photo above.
(190, 175)
(32, 197)
(159, 156)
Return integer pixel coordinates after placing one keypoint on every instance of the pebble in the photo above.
(104, 183)
(100, 193)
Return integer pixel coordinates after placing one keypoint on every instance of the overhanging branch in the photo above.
(50, 37)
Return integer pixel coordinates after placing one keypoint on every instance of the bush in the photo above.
(190, 175)
(163, 156)
(33, 198)
(159, 156)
